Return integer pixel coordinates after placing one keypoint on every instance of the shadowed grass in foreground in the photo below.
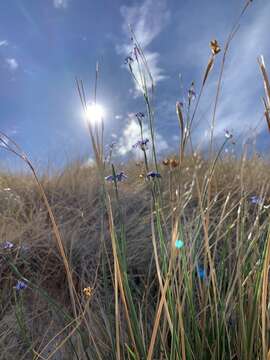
(156, 260)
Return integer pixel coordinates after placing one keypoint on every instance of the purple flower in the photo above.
(129, 60)
(256, 200)
(21, 285)
(7, 245)
(153, 174)
(121, 176)
(141, 144)
(117, 177)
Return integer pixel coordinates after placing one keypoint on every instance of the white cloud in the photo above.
(239, 106)
(147, 21)
(131, 134)
(60, 4)
(3, 43)
(12, 64)
(89, 162)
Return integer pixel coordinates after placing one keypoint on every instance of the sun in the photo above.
(95, 113)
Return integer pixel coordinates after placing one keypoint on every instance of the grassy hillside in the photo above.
(214, 280)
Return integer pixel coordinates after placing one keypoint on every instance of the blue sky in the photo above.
(45, 44)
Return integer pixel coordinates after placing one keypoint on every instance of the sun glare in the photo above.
(95, 113)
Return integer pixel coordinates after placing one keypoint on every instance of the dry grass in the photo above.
(171, 267)
(74, 199)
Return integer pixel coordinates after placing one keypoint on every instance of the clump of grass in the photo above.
(165, 260)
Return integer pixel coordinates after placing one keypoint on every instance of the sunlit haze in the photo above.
(95, 113)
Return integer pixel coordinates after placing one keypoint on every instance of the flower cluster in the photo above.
(117, 177)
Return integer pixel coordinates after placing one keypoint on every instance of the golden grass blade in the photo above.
(119, 275)
(266, 84)
(265, 79)
(267, 113)
(163, 293)
(159, 271)
(208, 69)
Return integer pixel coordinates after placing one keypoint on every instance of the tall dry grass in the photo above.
(172, 264)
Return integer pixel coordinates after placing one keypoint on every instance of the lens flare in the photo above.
(94, 113)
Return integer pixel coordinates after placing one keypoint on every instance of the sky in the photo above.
(46, 44)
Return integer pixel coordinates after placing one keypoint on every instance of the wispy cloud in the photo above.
(58, 4)
(239, 106)
(12, 64)
(147, 21)
(3, 43)
(131, 134)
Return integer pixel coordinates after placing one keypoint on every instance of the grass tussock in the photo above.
(150, 260)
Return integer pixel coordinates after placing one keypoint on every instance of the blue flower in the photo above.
(228, 134)
(20, 285)
(153, 174)
(201, 272)
(179, 244)
(141, 144)
(129, 60)
(121, 176)
(7, 245)
(139, 115)
(111, 145)
(256, 200)
(191, 92)
(117, 177)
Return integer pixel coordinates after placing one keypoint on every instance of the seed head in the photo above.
(166, 162)
(214, 47)
(88, 291)
(174, 163)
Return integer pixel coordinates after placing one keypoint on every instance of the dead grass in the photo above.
(74, 198)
